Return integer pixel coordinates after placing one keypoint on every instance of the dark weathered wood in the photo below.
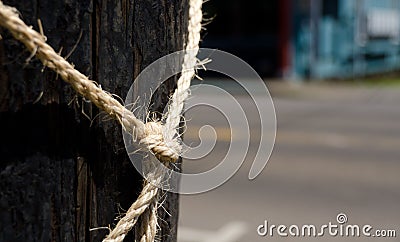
(60, 175)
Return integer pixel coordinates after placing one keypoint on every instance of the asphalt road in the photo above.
(337, 151)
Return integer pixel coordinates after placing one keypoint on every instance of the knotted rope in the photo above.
(160, 139)
(36, 43)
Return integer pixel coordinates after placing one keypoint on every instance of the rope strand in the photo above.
(175, 107)
(188, 71)
(36, 44)
(146, 198)
(161, 140)
(148, 229)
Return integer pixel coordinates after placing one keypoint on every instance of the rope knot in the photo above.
(154, 140)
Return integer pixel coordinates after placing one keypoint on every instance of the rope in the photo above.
(171, 125)
(161, 140)
(148, 229)
(145, 206)
(188, 71)
(36, 43)
(145, 199)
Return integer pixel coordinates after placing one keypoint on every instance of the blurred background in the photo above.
(308, 38)
(332, 67)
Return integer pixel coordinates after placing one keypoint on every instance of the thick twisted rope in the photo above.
(188, 71)
(144, 200)
(148, 229)
(145, 206)
(161, 140)
(36, 44)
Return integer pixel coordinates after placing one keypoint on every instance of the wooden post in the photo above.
(63, 167)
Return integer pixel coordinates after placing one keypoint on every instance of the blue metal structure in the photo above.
(345, 38)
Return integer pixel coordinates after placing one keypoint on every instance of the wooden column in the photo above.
(63, 167)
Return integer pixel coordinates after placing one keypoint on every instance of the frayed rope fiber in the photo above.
(160, 139)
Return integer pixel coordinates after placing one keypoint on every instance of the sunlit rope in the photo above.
(160, 139)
